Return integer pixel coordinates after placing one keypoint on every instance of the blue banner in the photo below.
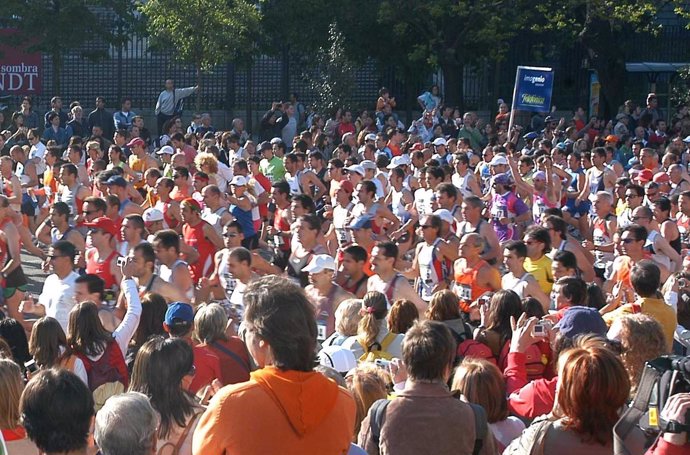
(533, 88)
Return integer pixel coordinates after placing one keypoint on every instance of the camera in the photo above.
(31, 366)
(382, 363)
(662, 378)
(121, 261)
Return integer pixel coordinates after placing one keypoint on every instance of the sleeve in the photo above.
(80, 371)
(663, 447)
(157, 110)
(519, 206)
(364, 438)
(184, 92)
(208, 439)
(116, 120)
(523, 444)
(529, 401)
(125, 331)
(515, 373)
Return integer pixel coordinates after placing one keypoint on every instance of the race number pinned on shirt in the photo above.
(464, 292)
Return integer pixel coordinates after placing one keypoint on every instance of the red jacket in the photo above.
(527, 399)
(662, 447)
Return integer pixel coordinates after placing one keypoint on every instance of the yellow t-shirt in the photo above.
(541, 271)
(656, 308)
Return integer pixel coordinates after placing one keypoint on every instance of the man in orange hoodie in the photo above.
(285, 407)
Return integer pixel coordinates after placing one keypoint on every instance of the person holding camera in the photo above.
(677, 409)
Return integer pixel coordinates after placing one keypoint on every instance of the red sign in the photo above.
(21, 72)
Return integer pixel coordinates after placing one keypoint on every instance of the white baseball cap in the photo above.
(276, 140)
(368, 164)
(339, 358)
(152, 215)
(166, 150)
(239, 180)
(319, 263)
(498, 160)
(445, 215)
(356, 168)
(370, 137)
(440, 141)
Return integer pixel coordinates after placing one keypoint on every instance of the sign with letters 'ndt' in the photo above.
(21, 72)
(533, 88)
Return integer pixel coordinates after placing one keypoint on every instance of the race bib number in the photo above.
(321, 331)
(464, 292)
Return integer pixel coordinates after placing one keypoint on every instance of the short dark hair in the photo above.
(56, 409)
(574, 289)
(540, 234)
(167, 238)
(65, 248)
(645, 278)
(71, 169)
(282, 186)
(566, 258)
(449, 189)
(241, 254)
(358, 253)
(640, 232)
(558, 224)
(518, 247)
(428, 350)
(94, 284)
(61, 208)
(279, 312)
(305, 201)
(147, 252)
(389, 249)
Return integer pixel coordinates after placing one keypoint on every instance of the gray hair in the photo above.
(210, 323)
(126, 425)
(347, 317)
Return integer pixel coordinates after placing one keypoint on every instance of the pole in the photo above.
(512, 105)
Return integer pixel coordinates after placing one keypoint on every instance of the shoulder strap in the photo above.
(378, 418)
(232, 355)
(184, 434)
(481, 425)
(387, 340)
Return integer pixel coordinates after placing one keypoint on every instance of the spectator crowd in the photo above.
(342, 282)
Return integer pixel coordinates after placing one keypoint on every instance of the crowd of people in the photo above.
(340, 283)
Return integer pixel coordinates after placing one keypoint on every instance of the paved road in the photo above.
(32, 269)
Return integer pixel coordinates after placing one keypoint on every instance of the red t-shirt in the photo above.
(266, 185)
(207, 366)
(233, 368)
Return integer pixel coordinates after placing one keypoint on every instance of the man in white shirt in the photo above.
(57, 298)
(37, 152)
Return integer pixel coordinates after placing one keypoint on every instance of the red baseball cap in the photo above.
(344, 185)
(104, 224)
(645, 175)
(661, 177)
(136, 141)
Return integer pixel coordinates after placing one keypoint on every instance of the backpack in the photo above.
(371, 353)
(378, 418)
(108, 375)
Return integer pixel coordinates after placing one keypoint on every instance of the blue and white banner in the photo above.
(533, 88)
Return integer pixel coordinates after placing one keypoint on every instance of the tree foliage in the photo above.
(56, 27)
(203, 33)
(606, 29)
(331, 74)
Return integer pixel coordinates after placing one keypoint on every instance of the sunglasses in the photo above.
(629, 241)
(229, 235)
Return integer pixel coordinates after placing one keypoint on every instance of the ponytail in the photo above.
(374, 309)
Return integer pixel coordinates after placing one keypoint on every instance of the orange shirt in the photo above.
(466, 287)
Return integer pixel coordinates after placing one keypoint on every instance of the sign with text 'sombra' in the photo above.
(533, 88)
(21, 72)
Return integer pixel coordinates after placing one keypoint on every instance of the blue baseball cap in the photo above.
(580, 320)
(531, 135)
(179, 312)
(361, 222)
(116, 180)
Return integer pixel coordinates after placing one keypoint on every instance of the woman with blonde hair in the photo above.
(367, 383)
(642, 339)
(480, 382)
(373, 339)
(11, 387)
(347, 319)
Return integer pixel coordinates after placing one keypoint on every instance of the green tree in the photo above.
(609, 30)
(57, 27)
(331, 74)
(204, 33)
(446, 34)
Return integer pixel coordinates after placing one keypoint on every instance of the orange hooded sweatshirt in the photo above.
(286, 412)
